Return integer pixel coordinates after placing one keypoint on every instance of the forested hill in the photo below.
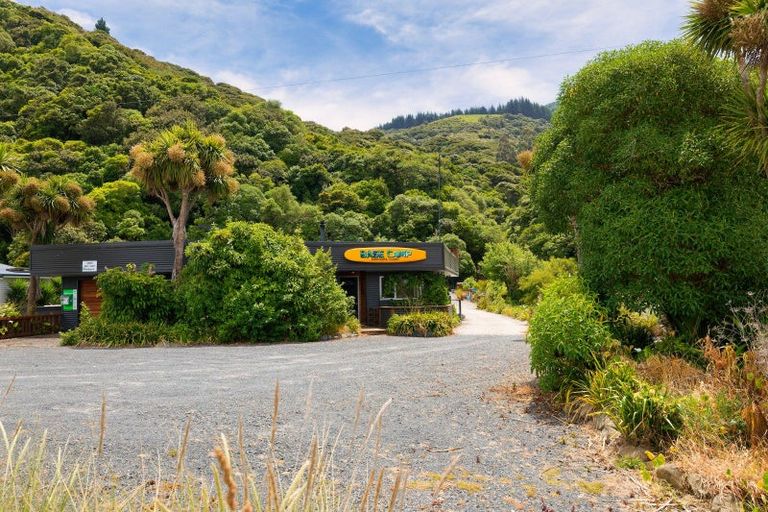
(73, 102)
(522, 106)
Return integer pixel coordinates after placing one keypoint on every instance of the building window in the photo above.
(399, 287)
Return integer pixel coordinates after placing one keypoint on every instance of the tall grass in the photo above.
(34, 477)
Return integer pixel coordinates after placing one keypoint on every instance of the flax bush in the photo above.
(429, 324)
(641, 412)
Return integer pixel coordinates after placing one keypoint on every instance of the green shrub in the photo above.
(636, 330)
(545, 273)
(428, 324)
(100, 332)
(17, 292)
(640, 411)
(508, 263)
(50, 291)
(132, 295)
(248, 282)
(635, 160)
(567, 335)
(518, 312)
(491, 296)
(715, 417)
(9, 309)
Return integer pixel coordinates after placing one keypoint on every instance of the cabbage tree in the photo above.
(179, 166)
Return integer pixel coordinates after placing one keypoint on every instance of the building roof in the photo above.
(81, 260)
(10, 271)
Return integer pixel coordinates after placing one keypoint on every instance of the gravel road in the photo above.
(448, 398)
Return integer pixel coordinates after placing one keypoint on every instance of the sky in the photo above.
(306, 53)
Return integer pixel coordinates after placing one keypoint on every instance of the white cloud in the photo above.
(83, 19)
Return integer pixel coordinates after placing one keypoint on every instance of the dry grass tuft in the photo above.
(675, 373)
(724, 469)
(33, 478)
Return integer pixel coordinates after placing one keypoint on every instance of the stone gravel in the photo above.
(445, 401)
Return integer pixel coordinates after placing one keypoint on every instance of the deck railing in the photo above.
(29, 325)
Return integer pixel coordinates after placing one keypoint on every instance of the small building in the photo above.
(361, 270)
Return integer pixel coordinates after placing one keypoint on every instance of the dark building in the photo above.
(361, 269)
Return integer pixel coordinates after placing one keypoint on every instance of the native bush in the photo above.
(248, 282)
(567, 335)
(99, 331)
(425, 324)
(640, 411)
(543, 274)
(634, 163)
(508, 263)
(133, 295)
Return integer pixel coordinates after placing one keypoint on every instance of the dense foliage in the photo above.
(665, 217)
(567, 335)
(133, 295)
(522, 106)
(432, 324)
(247, 282)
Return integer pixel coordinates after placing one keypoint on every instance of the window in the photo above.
(399, 287)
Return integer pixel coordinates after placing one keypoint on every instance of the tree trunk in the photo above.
(32, 292)
(180, 234)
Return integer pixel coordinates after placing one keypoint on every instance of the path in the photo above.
(442, 405)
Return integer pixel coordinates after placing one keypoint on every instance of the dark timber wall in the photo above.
(66, 260)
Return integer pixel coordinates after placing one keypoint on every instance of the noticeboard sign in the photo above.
(90, 266)
(384, 255)
(69, 300)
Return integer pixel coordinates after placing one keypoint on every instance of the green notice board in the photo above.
(69, 300)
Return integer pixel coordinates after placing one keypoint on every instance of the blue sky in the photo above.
(263, 45)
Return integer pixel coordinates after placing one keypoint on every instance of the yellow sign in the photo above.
(384, 255)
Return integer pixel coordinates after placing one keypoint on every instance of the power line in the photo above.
(437, 68)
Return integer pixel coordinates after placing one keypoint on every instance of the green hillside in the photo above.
(477, 138)
(73, 102)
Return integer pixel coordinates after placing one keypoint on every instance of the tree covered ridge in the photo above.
(520, 105)
(74, 102)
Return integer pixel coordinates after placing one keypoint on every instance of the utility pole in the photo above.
(439, 192)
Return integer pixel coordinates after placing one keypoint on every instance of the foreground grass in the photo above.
(34, 477)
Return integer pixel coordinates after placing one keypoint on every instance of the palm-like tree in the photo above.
(183, 163)
(38, 208)
(9, 161)
(738, 29)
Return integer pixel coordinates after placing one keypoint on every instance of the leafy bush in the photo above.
(640, 411)
(50, 292)
(9, 309)
(637, 330)
(491, 296)
(248, 282)
(508, 263)
(634, 160)
(100, 332)
(132, 295)
(17, 292)
(567, 335)
(429, 324)
(543, 274)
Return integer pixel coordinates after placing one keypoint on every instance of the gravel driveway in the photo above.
(443, 405)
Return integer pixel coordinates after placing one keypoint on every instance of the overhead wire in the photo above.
(436, 68)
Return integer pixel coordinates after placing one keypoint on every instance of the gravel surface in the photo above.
(463, 395)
